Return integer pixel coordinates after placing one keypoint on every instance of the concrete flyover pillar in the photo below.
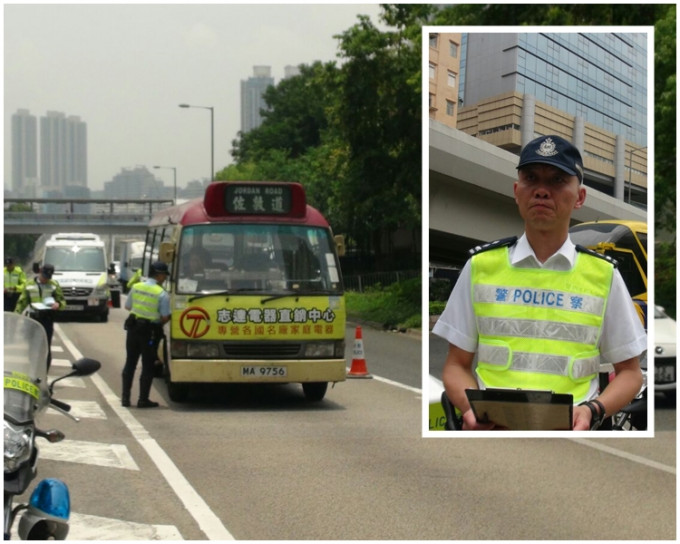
(528, 118)
(619, 167)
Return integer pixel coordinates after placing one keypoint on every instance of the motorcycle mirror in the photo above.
(82, 367)
(86, 366)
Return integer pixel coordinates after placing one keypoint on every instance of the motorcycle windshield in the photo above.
(25, 367)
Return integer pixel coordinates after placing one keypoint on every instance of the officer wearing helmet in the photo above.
(149, 306)
(44, 296)
(539, 312)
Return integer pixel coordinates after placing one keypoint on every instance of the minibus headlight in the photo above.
(203, 350)
(324, 349)
(178, 350)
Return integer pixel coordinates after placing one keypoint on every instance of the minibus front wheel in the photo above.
(314, 391)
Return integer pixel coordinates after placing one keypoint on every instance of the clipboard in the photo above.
(522, 409)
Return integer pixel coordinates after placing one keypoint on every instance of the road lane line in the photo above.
(624, 454)
(584, 441)
(207, 521)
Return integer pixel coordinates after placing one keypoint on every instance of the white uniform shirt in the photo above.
(623, 335)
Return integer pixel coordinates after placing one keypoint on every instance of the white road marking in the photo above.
(64, 384)
(84, 527)
(206, 519)
(87, 409)
(624, 454)
(60, 362)
(89, 453)
(60, 349)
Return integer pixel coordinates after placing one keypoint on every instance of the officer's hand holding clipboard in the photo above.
(520, 409)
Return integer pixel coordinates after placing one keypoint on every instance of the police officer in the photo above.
(39, 291)
(149, 306)
(540, 312)
(15, 282)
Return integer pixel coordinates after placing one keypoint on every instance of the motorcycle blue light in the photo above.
(51, 497)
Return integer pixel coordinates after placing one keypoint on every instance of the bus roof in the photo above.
(209, 209)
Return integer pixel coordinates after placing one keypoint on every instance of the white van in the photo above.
(80, 267)
(131, 255)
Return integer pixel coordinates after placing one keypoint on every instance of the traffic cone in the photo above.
(358, 369)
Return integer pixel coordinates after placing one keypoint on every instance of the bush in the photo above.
(396, 306)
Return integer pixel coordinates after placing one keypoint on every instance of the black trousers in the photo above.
(11, 301)
(48, 324)
(140, 342)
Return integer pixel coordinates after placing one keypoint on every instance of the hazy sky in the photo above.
(124, 69)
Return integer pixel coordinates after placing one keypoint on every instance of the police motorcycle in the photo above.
(27, 394)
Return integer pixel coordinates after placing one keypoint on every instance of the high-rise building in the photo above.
(290, 71)
(252, 101)
(588, 87)
(444, 78)
(63, 152)
(24, 153)
(134, 183)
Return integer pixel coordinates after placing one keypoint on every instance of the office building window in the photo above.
(453, 49)
(433, 70)
(450, 108)
(431, 100)
(452, 79)
(434, 38)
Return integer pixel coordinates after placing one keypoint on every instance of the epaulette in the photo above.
(493, 245)
(607, 258)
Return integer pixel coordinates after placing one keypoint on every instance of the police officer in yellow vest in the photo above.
(540, 312)
(14, 283)
(149, 306)
(44, 296)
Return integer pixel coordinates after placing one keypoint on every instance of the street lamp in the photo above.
(174, 173)
(212, 136)
(630, 171)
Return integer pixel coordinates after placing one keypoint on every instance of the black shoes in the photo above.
(147, 404)
(125, 403)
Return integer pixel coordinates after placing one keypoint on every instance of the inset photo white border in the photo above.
(478, 165)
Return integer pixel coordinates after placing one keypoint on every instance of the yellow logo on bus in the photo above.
(245, 318)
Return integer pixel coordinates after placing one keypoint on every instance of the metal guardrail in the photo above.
(80, 218)
(360, 282)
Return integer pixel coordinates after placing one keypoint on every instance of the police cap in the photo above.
(159, 267)
(9, 260)
(47, 270)
(555, 151)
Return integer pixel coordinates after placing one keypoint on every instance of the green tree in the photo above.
(19, 246)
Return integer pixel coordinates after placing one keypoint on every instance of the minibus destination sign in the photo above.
(258, 199)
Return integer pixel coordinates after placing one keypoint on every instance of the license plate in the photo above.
(664, 374)
(92, 301)
(260, 371)
(76, 307)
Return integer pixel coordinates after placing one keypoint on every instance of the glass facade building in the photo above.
(599, 77)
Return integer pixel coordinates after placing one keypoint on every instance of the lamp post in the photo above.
(174, 173)
(630, 171)
(212, 136)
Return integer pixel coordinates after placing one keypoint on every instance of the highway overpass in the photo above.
(471, 196)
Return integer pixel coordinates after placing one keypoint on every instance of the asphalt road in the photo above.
(261, 463)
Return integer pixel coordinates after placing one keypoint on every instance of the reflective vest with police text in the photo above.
(539, 328)
(145, 301)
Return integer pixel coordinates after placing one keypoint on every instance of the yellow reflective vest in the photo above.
(15, 280)
(145, 301)
(539, 328)
(37, 292)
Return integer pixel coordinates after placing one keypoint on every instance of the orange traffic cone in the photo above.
(358, 369)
